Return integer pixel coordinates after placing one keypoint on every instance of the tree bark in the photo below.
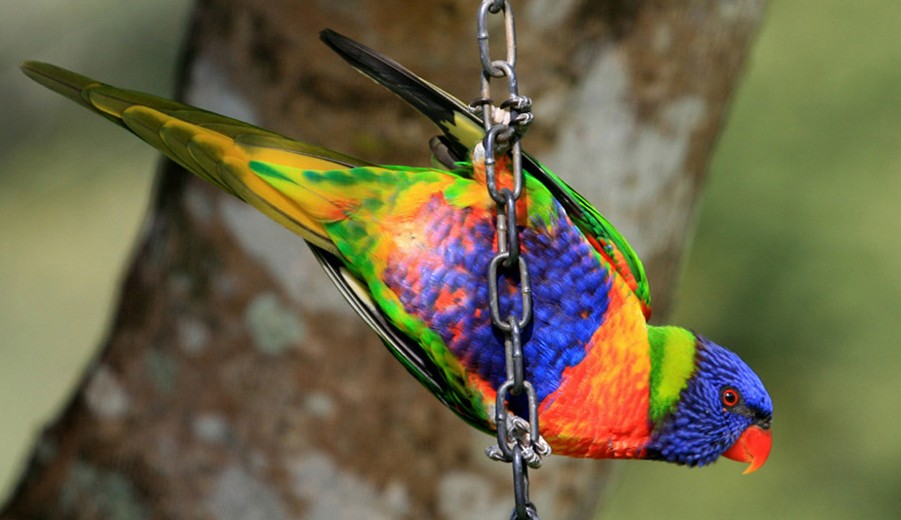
(235, 383)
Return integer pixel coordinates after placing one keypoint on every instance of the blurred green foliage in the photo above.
(794, 265)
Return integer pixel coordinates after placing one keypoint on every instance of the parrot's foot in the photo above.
(518, 431)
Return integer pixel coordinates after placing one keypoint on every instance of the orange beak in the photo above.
(753, 447)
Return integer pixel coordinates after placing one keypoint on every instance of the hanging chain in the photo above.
(518, 440)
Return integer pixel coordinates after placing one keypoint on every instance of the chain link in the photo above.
(518, 439)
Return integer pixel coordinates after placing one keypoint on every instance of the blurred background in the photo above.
(795, 264)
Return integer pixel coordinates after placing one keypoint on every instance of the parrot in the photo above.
(409, 249)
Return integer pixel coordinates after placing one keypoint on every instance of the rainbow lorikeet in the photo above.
(409, 249)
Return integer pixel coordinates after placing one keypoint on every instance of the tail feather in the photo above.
(65, 82)
(217, 148)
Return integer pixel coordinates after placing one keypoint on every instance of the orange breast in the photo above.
(600, 409)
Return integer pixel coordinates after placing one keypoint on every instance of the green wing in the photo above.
(462, 130)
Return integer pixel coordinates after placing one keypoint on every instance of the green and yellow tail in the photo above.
(218, 148)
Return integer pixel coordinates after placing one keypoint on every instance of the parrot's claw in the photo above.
(533, 450)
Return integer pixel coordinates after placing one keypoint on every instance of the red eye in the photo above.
(730, 397)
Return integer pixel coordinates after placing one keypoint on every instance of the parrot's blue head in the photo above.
(723, 410)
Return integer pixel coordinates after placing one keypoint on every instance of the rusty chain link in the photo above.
(518, 439)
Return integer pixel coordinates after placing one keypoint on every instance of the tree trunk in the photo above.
(235, 382)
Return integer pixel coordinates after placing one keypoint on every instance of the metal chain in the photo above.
(518, 439)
